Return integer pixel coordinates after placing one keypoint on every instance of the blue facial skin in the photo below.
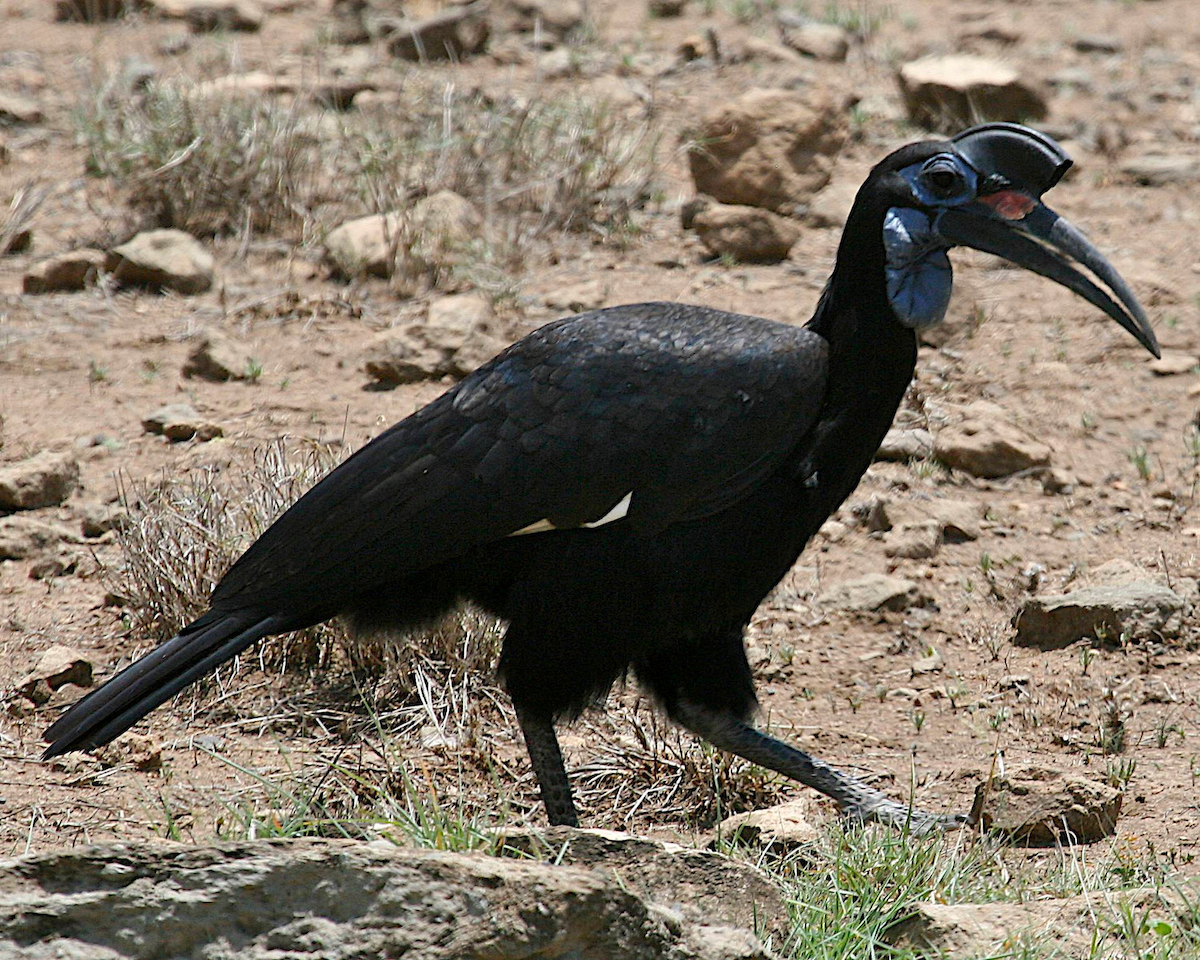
(919, 275)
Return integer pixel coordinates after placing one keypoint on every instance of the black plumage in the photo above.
(623, 487)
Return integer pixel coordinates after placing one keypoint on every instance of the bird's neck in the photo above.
(872, 357)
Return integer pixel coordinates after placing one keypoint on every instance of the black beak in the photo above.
(1017, 240)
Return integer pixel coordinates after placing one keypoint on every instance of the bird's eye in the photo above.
(943, 178)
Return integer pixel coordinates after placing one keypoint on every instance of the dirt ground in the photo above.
(841, 686)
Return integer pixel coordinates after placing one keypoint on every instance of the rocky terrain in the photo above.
(243, 230)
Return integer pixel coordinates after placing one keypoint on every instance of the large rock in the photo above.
(67, 271)
(453, 34)
(162, 260)
(747, 234)
(1042, 807)
(44, 480)
(768, 148)
(335, 900)
(986, 444)
(1134, 611)
(455, 338)
(952, 92)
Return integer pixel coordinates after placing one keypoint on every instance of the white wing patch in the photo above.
(616, 513)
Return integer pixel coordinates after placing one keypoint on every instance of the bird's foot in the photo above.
(892, 814)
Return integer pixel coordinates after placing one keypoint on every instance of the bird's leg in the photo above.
(857, 800)
(546, 757)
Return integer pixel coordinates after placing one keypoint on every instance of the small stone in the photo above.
(206, 16)
(133, 749)
(665, 9)
(97, 519)
(453, 34)
(551, 19)
(558, 64)
(455, 338)
(19, 111)
(24, 537)
(1135, 611)
(366, 245)
(947, 93)
(777, 831)
(1098, 43)
(1157, 170)
(44, 480)
(1056, 480)
(67, 271)
(58, 665)
(902, 445)
(218, 358)
(93, 11)
(768, 148)
(61, 563)
(986, 444)
(162, 259)
(914, 541)
(577, 297)
(930, 663)
(747, 234)
(821, 41)
(1172, 363)
(1043, 807)
(180, 421)
(871, 593)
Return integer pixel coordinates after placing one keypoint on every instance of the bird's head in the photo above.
(983, 189)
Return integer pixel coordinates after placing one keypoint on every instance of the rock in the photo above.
(44, 480)
(366, 245)
(453, 34)
(871, 593)
(180, 421)
(830, 206)
(1136, 611)
(132, 749)
(1173, 363)
(577, 297)
(97, 519)
(443, 227)
(19, 111)
(455, 339)
(959, 520)
(903, 444)
(753, 49)
(748, 234)
(93, 11)
(60, 563)
(768, 148)
(821, 41)
(930, 663)
(1097, 43)
(1042, 807)
(778, 831)
(59, 665)
(1156, 170)
(336, 899)
(67, 271)
(701, 885)
(1056, 480)
(558, 64)
(256, 83)
(1073, 928)
(216, 357)
(551, 18)
(985, 444)
(665, 9)
(914, 541)
(205, 16)
(162, 259)
(25, 537)
(951, 92)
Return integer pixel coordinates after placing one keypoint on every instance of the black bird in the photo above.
(623, 487)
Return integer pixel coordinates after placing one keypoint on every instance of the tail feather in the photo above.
(106, 713)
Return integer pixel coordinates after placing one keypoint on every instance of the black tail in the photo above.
(106, 713)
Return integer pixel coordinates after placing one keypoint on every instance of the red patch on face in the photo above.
(1010, 204)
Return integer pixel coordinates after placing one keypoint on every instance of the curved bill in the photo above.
(977, 226)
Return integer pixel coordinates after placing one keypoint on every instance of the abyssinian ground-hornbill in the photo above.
(623, 487)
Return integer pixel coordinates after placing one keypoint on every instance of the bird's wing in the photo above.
(653, 414)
